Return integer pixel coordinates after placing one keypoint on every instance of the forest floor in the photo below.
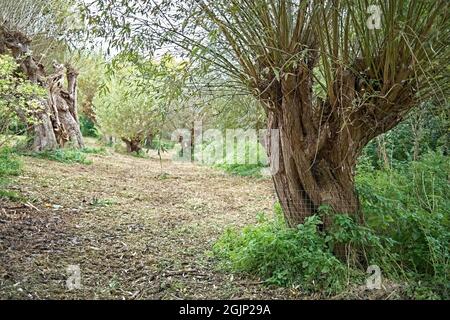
(135, 229)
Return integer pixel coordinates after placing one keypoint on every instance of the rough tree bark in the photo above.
(133, 145)
(57, 120)
(320, 141)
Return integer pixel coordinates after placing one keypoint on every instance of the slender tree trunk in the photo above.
(382, 152)
(192, 142)
(416, 128)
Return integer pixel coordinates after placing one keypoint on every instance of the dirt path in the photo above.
(134, 233)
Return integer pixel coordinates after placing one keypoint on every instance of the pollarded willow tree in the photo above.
(125, 112)
(55, 122)
(331, 75)
(138, 99)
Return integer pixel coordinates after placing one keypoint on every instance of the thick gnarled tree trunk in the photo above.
(306, 180)
(320, 141)
(63, 103)
(133, 145)
(56, 122)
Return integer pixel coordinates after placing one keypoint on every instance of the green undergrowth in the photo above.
(406, 234)
(10, 166)
(68, 155)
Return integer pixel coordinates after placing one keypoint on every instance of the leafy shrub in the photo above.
(93, 150)
(67, 155)
(88, 128)
(299, 256)
(411, 206)
(407, 234)
(245, 170)
(17, 96)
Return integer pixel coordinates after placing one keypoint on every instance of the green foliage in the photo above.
(123, 113)
(9, 166)
(17, 95)
(136, 97)
(411, 206)
(162, 144)
(425, 129)
(10, 195)
(407, 234)
(68, 155)
(102, 202)
(93, 150)
(244, 170)
(87, 127)
(300, 256)
(246, 158)
(140, 154)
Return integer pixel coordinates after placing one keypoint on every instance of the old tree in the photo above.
(55, 121)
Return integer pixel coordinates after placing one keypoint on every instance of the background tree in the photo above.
(124, 112)
(138, 99)
(92, 69)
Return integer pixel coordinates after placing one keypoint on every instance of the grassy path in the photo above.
(134, 232)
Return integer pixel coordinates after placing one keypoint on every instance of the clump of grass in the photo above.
(102, 202)
(244, 170)
(94, 150)
(10, 166)
(141, 154)
(63, 155)
(10, 195)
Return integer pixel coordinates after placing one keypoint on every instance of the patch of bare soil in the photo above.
(136, 230)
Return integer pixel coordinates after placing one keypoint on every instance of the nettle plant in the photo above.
(19, 98)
